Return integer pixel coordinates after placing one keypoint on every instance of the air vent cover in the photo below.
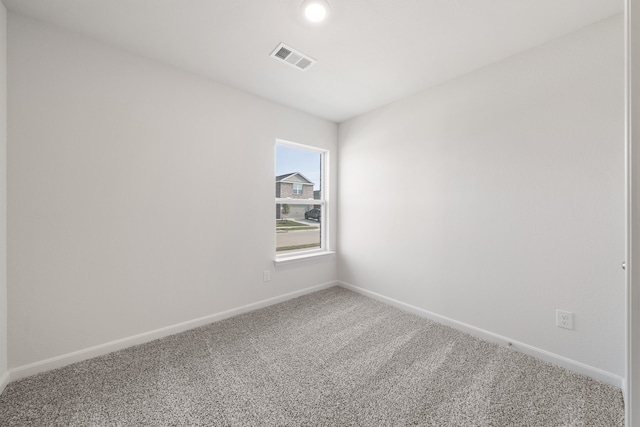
(292, 57)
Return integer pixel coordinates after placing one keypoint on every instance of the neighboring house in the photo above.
(294, 186)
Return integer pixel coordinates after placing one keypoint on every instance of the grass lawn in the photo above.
(305, 246)
(288, 224)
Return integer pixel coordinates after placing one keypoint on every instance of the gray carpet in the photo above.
(332, 358)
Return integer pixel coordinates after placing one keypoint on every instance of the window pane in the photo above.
(298, 177)
(298, 229)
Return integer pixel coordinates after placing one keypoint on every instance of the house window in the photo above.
(301, 200)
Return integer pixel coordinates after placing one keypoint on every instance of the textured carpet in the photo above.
(331, 358)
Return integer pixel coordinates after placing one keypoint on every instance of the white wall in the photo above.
(140, 196)
(3, 196)
(633, 116)
(498, 197)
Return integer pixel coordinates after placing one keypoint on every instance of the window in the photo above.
(297, 189)
(301, 200)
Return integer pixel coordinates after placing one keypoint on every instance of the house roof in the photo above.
(288, 178)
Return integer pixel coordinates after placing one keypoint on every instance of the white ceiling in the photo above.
(370, 52)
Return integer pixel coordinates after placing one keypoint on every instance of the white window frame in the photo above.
(325, 219)
(300, 192)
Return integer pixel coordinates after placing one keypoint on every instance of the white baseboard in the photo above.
(4, 380)
(102, 349)
(572, 365)
(78, 356)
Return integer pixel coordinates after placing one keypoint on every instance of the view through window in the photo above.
(300, 200)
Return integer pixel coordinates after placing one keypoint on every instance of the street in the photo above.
(286, 238)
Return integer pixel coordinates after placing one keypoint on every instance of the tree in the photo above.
(285, 212)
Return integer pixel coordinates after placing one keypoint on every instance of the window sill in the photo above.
(283, 259)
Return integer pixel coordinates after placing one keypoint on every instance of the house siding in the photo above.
(285, 189)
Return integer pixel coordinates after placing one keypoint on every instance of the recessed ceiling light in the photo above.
(315, 10)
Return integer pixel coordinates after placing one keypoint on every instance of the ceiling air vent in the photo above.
(292, 57)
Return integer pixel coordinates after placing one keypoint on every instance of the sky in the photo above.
(290, 160)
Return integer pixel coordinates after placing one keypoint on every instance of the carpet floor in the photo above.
(331, 358)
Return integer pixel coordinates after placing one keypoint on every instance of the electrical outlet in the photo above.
(564, 319)
(266, 275)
